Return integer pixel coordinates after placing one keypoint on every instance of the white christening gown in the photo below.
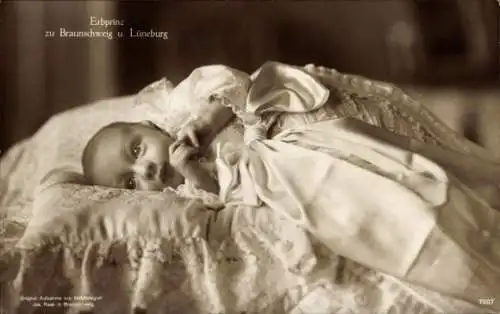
(365, 198)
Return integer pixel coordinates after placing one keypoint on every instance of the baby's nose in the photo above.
(147, 170)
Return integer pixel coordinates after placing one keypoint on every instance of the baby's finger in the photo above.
(188, 151)
(182, 151)
(174, 146)
(192, 137)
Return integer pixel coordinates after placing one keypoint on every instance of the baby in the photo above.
(142, 156)
(145, 157)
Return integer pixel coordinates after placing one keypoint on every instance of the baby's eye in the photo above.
(136, 149)
(131, 183)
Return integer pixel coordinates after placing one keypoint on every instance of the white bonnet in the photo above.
(171, 107)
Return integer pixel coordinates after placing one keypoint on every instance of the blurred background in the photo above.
(449, 49)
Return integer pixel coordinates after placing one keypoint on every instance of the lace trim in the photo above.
(188, 190)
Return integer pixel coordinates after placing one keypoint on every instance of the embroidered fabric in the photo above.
(209, 261)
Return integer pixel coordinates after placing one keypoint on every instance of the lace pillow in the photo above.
(76, 214)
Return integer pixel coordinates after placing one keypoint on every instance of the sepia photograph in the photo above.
(250, 156)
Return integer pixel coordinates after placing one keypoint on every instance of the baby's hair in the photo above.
(87, 156)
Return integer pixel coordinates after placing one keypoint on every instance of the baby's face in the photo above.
(132, 156)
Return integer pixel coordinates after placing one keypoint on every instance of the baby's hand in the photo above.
(181, 159)
(188, 135)
(181, 155)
